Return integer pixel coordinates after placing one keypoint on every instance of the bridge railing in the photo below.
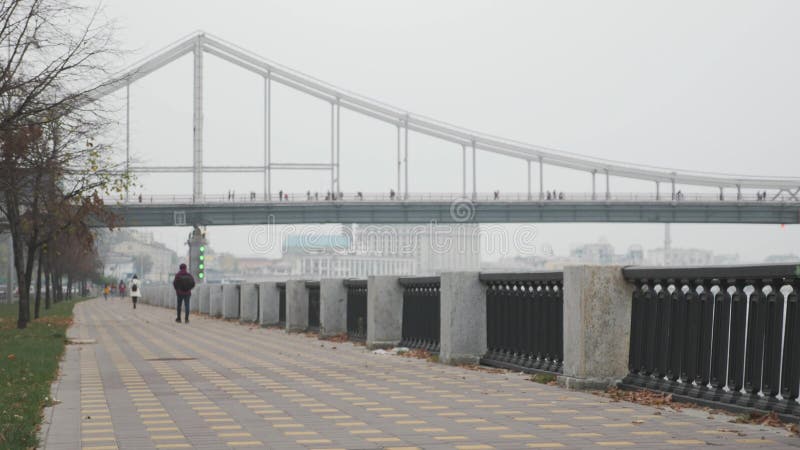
(421, 313)
(294, 197)
(356, 309)
(718, 334)
(524, 320)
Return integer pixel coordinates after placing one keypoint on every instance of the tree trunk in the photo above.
(24, 314)
(47, 288)
(38, 300)
(69, 287)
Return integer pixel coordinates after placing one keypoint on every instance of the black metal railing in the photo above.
(313, 305)
(726, 336)
(356, 309)
(421, 312)
(524, 320)
(281, 302)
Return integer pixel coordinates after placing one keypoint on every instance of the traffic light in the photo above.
(201, 265)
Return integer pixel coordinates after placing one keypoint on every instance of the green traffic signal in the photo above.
(202, 257)
(200, 275)
(201, 266)
(202, 248)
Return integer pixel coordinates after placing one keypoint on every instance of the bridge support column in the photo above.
(332, 307)
(405, 142)
(215, 301)
(268, 137)
(296, 306)
(474, 174)
(268, 304)
(464, 170)
(230, 301)
(463, 318)
(608, 186)
(541, 178)
(530, 195)
(197, 150)
(594, 185)
(658, 190)
(597, 323)
(384, 311)
(248, 301)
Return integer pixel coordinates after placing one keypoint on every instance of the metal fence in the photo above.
(421, 312)
(718, 335)
(313, 305)
(356, 309)
(281, 303)
(524, 321)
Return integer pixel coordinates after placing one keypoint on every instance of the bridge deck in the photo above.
(442, 211)
(149, 382)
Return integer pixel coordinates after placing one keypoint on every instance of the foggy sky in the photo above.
(706, 86)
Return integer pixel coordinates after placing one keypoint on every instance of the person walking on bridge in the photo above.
(183, 284)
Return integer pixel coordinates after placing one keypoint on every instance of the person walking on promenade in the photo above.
(106, 290)
(183, 284)
(136, 290)
(121, 289)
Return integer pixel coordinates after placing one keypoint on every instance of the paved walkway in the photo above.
(149, 382)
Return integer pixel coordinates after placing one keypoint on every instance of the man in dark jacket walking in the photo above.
(183, 284)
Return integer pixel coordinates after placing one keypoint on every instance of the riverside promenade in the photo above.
(135, 379)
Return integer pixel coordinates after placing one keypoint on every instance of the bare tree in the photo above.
(53, 173)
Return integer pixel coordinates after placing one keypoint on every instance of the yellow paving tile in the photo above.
(685, 442)
(615, 443)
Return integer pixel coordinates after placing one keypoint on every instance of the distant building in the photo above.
(125, 253)
(360, 251)
(726, 259)
(787, 258)
(680, 257)
(598, 253)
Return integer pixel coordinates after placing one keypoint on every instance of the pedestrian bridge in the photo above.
(443, 208)
(736, 198)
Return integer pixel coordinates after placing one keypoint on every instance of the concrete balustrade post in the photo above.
(166, 297)
(268, 304)
(332, 307)
(194, 301)
(463, 318)
(597, 324)
(204, 299)
(296, 305)
(230, 301)
(248, 295)
(215, 301)
(384, 311)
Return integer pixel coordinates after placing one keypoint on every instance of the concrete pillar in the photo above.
(384, 311)
(463, 318)
(167, 297)
(215, 302)
(332, 307)
(194, 301)
(204, 299)
(597, 323)
(296, 305)
(268, 304)
(230, 301)
(248, 295)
